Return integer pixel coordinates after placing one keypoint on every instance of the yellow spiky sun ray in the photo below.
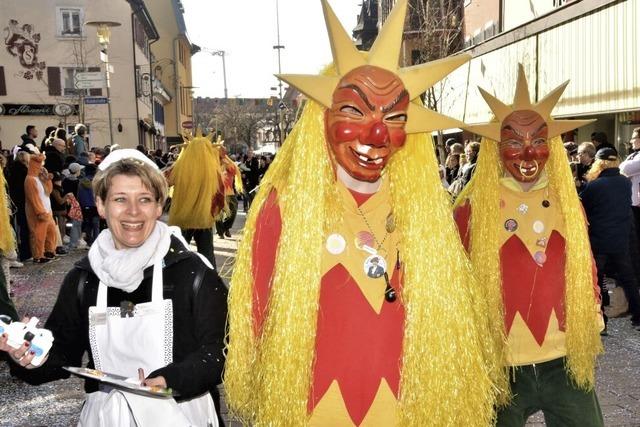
(583, 342)
(445, 378)
(196, 175)
(384, 54)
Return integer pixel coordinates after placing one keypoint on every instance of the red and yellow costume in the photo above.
(523, 226)
(42, 227)
(318, 334)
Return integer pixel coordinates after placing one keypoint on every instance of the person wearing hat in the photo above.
(358, 177)
(607, 202)
(521, 221)
(140, 305)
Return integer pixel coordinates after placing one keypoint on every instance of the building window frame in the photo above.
(63, 23)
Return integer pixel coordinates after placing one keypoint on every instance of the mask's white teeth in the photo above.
(363, 158)
(378, 161)
(363, 149)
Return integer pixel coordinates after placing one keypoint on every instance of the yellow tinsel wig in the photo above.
(582, 327)
(7, 240)
(196, 179)
(444, 379)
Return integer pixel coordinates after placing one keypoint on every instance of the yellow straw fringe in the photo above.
(582, 334)
(7, 239)
(197, 177)
(444, 380)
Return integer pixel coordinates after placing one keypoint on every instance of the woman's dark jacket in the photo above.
(199, 319)
(607, 203)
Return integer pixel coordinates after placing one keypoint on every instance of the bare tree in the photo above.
(433, 30)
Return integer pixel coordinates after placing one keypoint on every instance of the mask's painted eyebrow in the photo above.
(395, 102)
(361, 94)
(509, 128)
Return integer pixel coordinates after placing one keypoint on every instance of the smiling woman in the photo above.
(141, 305)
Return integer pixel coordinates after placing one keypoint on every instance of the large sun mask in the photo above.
(365, 125)
(369, 108)
(523, 145)
(523, 129)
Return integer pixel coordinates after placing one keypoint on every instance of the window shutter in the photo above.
(3, 85)
(94, 92)
(53, 78)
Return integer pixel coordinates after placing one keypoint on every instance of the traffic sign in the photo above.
(96, 100)
(188, 124)
(89, 84)
(89, 75)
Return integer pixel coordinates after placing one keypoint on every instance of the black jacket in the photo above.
(17, 173)
(199, 318)
(54, 162)
(607, 203)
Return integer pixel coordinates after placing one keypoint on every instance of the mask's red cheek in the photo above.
(345, 131)
(510, 153)
(397, 137)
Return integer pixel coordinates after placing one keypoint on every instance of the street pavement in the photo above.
(59, 403)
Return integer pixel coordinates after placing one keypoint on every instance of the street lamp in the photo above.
(221, 53)
(104, 34)
(279, 47)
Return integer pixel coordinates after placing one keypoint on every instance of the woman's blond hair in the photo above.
(598, 166)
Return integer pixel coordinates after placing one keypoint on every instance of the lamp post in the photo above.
(104, 35)
(279, 47)
(222, 54)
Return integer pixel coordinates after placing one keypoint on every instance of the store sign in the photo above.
(32, 109)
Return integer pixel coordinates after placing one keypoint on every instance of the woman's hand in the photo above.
(22, 356)
(151, 382)
(155, 382)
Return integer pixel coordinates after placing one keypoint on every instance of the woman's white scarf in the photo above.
(123, 268)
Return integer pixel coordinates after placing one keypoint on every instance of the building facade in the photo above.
(593, 43)
(171, 71)
(44, 53)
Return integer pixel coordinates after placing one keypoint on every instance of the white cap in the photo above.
(126, 153)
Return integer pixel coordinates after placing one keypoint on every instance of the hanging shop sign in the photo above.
(37, 109)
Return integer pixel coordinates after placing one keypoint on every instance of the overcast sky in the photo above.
(246, 31)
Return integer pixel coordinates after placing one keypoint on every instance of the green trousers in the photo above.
(547, 387)
(6, 305)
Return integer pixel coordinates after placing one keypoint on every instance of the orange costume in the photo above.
(42, 227)
(521, 221)
(337, 314)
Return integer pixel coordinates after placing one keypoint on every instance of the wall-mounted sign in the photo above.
(38, 109)
(96, 100)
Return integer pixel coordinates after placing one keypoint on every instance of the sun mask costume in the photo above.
(337, 312)
(521, 221)
(198, 193)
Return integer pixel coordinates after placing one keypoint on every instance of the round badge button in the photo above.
(538, 227)
(336, 244)
(511, 225)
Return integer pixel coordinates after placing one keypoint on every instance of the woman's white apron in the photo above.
(121, 342)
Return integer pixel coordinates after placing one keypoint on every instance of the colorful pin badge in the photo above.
(538, 227)
(523, 209)
(540, 257)
(546, 203)
(511, 225)
(390, 224)
(375, 266)
(335, 244)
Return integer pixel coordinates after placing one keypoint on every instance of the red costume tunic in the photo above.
(532, 261)
(356, 369)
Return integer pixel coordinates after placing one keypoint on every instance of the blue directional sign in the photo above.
(96, 100)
